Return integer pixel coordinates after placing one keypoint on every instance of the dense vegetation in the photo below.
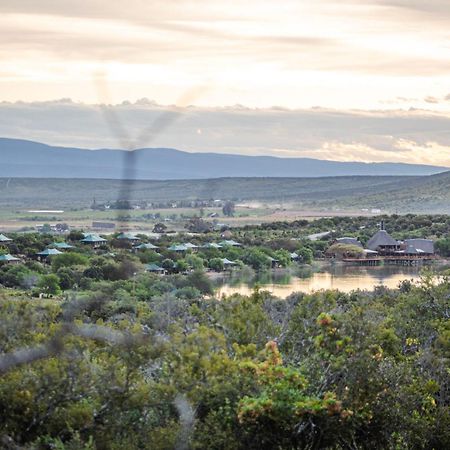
(364, 370)
(402, 194)
(113, 357)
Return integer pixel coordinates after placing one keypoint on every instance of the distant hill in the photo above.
(430, 194)
(20, 158)
(419, 195)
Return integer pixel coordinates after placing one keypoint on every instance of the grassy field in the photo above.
(173, 218)
(258, 199)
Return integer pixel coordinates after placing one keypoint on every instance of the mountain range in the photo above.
(21, 158)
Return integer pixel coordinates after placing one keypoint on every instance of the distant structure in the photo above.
(9, 259)
(103, 225)
(419, 246)
(383, 243)
(93, 240)
(382, 247)
(128, 237)
(348, 241)
(4, 239)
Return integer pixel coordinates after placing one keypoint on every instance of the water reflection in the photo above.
(340, 277)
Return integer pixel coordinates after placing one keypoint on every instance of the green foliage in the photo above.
(49, 284)
(216, 264)
(68, 259)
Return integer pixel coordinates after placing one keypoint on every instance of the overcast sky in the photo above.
(344, 79)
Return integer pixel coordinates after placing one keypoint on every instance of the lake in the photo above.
(343, 278)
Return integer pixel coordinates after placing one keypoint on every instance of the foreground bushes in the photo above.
(328, 370)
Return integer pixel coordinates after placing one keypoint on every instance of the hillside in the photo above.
(394, 194)
(420, 195)
(20, 158)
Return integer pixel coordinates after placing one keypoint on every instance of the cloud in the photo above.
(431, 99)
(377, 135)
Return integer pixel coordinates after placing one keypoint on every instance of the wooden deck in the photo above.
(364, 261)
(400, 260)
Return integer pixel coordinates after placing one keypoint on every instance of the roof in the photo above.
(4, 238)
(212, 245)
(128, 237)
(153, 268)
(349, 241)
(230, 243)
(412, 250)
(49, 252)
(425, 245)
(381, 239)
(93, 238)
(8, 257)
(227, 262)
(294, 255)
(147, 246)
(178, 248)
(190, 245)
(63, 245)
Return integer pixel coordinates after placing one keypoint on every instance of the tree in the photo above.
(68, 259)
(216, 264)
(182, 265)
(159, 228)
(49, 284)
(168, 264)
(256, 258)
(195, 262)
(228, 209)
(198, 225)
(306, 255)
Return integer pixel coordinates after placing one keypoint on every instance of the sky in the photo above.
(365, 80)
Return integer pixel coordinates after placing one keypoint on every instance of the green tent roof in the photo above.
(8, 257)
(230, 243)
(227, 262)
(4, 238)
(63, 245)
(93, 238)
(153, 268)
(127, 237)
(212, 245)
(178, 248)
(49, 252)
(148, 246)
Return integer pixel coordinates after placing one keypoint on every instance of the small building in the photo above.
(348, 241)
(383, 243)
(103, 225)
(48, 252)
(154, 268)
(228, 264)
(146, 246)
(61, 245)
(274, 263)
(212, 245)
(230, 243)
(4, 239)
(93, 239)
(226, 234)
(422, 246)
(9, 259)
(129, 237)
(295, 256)
(178, 248)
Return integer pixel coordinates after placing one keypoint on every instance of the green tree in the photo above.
(49, 284)
(68, 259)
